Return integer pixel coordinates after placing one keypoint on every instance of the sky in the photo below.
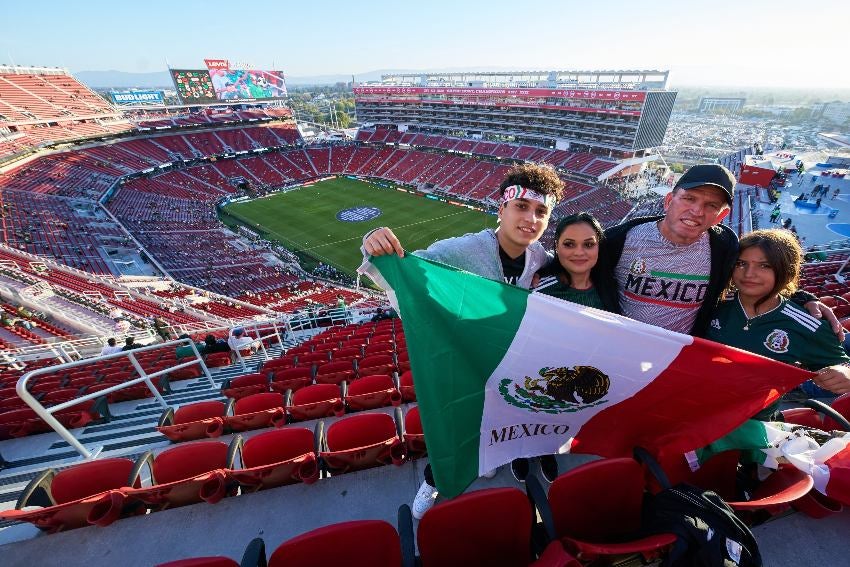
(748, 43)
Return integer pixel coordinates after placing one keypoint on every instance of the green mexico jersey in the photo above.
(786, 333)
(552, 286)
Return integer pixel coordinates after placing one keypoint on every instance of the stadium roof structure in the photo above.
(638, 79)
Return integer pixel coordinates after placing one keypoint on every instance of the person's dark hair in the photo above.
(111, 342)
(210, 340)
(783, 254)
(570, 220)
(128, 340)
(541, 178)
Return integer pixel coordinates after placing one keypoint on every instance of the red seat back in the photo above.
(198, 411)
(363, 543)
(360, 431)
(315, 393)
(484, 527)
(258, 402)
(277, 446)
(187, 461)
(599, 501)
(87, 479)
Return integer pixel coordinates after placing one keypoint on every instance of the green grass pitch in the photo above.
(304, 219)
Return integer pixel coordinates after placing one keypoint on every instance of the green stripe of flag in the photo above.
(482, 316)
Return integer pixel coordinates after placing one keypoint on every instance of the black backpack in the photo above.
(708, 533)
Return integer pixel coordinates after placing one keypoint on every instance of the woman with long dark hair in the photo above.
(572, 276)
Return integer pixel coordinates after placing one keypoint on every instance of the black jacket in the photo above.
(722, 241)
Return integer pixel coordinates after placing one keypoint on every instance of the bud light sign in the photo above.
(137, 97)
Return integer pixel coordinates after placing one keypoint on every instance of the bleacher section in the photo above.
(48, 105)
(584, 163)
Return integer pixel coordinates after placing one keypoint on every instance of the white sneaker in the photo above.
(490, 474)
(425, 498)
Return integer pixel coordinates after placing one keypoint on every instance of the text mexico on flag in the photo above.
(502, 373)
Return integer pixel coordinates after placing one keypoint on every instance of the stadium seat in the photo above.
(276, 458)
(378, 348)
(362, 543)
(360, 442)
(483, 527)
(371, 392)
(70, 496)
(311, 358)
(402, 359)
(414, 438)
(257, 411)
(184, 474)
(218, 359)
(194, 421)
(276, 363)
(347, 353)
(254, 556)
(314, 402)
(595, 510)
(283, 379)
(405, 386)
(720, 474)
(375, 364)
(245, 386)
(335, 372)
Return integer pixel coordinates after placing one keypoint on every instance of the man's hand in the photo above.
(836, 379)
(821, 311)
(383, 241)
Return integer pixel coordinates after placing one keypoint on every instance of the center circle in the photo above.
(358, 214)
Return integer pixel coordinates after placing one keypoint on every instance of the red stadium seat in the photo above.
(184, 474)
(484, 527)
(315, 402)
(284, 379)
(376, 364)
(596, 510)
(347, 353)
(194, 421)
(370, 392)
(405, 385)
(363, 543)
(360, 442)
(245, 386)
(335, 372)
(218, 359)
(414, 437)
(276, 458)
(257, 411)
(70, 496)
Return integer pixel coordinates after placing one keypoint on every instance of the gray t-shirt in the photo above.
(662, 283)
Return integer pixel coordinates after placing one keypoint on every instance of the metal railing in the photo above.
(258, 328)
(46, 413)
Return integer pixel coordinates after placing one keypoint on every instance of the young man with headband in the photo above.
(511, 254)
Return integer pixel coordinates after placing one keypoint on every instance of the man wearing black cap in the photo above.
(671, 270)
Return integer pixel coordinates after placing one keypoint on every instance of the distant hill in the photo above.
(161, 79)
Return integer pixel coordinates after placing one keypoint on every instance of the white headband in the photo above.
(520, 192)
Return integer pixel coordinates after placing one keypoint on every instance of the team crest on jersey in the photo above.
(777, 341)
(638, 266)
(715, 323)
(558, 390)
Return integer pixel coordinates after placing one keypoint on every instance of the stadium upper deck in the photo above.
(618, 114)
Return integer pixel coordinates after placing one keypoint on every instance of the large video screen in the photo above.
(193, 86)
(247, 84)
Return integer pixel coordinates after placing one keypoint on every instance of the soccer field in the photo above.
(306, 219)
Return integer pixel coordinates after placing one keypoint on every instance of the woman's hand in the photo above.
(836, 379)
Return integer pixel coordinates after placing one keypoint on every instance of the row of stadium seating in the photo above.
(585, 163)
(208, 116)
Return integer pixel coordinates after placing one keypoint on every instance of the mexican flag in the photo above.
(824, 456)
(502, 373)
